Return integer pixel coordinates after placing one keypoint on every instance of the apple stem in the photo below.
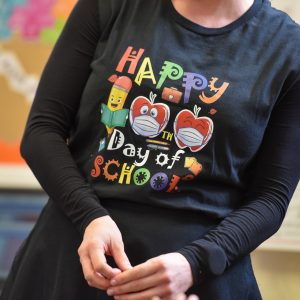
(196, 110)
(152, 97)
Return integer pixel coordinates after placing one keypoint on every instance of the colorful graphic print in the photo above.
(191, 131)
(148, 118)
(113, 114)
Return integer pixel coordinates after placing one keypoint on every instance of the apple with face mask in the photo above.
(192, 131)
(147, 118)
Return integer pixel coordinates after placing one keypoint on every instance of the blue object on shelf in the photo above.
(18, 214)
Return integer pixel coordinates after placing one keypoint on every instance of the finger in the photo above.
(180, 296)
(100, 265)
(159, 291)
(193, 297)
(139, 284)
(90, 276)
(120, 257)
(170, 298)
(155, 298)
(145, 269)
(116, 271)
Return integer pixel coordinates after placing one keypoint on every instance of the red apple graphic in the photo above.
(192, 131)
(148, 118)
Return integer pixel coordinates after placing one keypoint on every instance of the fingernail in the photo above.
(110, 292)
(113, 282)
(116, 270)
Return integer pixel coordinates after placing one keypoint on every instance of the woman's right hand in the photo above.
(102, 236)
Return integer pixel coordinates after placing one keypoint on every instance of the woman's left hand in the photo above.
(164, 276)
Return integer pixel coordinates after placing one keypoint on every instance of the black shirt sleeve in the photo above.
(44, 142)
(275, 173)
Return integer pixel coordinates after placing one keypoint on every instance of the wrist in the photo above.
(206, 259)
(187, 268)
(90, 218)
(197, 269)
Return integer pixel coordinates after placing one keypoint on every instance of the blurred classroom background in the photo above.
(26, 40)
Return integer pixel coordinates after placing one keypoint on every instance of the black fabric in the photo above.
(52, 115)
(49, 255)
(238, 169)
(275, 176)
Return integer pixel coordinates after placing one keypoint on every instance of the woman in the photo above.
(166, 135)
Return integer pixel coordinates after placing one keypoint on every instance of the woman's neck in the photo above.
(212, 13)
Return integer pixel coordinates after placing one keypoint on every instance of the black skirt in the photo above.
(47, 266)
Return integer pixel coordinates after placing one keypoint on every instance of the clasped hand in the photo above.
(164, 276)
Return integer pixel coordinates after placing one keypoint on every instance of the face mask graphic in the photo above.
(146, 126)
(192, 131)
(190, 136)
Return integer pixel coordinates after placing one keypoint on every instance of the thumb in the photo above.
(120, 257)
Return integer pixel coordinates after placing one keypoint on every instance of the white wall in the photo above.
(292, 7)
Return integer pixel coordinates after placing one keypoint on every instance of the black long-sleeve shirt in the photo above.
(139, 103)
